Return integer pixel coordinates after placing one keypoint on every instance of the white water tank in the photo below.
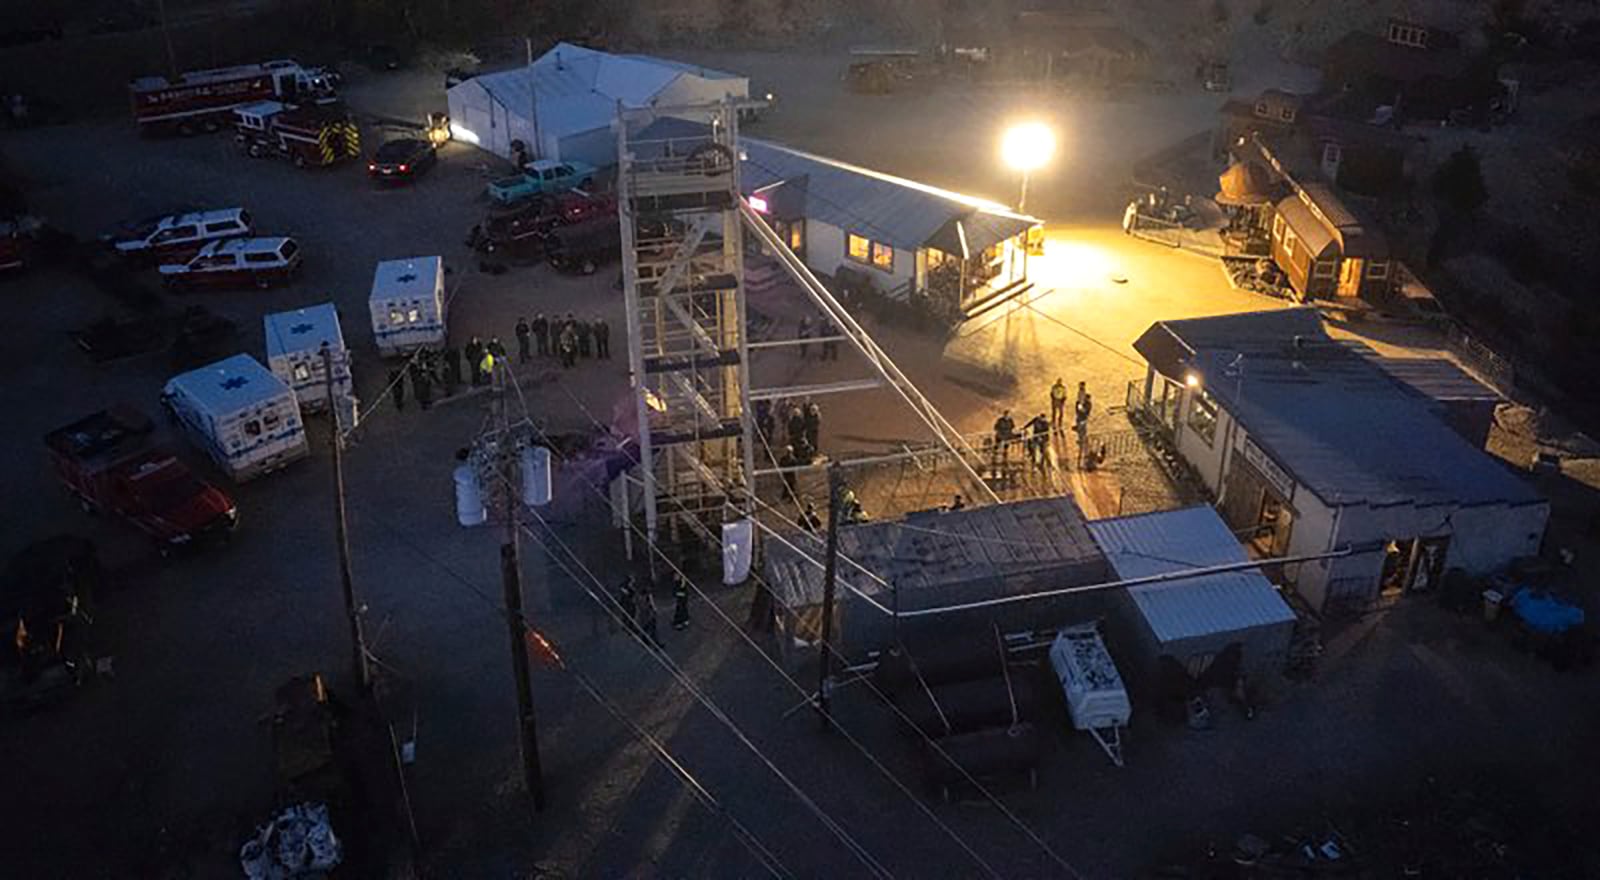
(470, 510)
(536, 489)
(738, 546)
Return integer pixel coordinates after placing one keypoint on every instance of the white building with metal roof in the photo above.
(1194, 619)
(562, 105)
(1311, 447)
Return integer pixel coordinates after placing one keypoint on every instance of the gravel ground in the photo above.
(161, 770)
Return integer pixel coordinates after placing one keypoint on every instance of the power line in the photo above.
(751, 842)
(944, 754)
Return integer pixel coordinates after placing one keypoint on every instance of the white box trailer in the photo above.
(408, 307)
(243, 416)
(1097, 700)
(294, 353)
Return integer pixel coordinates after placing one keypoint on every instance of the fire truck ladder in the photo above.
(683, 284)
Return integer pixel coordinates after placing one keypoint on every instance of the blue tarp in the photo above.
(1545, 613)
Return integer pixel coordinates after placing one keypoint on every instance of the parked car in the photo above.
(528, 223)
(585, 247)
(262, 262)
(106, 459)
(542, 176)
(179, 236)
(401, 159)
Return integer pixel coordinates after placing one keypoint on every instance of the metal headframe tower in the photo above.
(683, 281)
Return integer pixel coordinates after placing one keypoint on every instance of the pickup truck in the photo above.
(106, 459)
(545, 176)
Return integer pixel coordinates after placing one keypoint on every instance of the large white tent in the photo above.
(563, 104)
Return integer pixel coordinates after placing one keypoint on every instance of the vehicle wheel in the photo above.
(254, 151)
(186, 129)
(210, 126)
(588, 267)
(299, 160)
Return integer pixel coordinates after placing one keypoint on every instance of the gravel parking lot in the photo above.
(161, 770)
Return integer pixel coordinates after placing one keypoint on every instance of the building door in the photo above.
(1350, 276)
(1413, 565)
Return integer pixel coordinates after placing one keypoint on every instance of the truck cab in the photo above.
(107, 461)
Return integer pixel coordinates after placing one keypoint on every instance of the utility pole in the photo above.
(166, 38)
(358, 639)
(511, 581)
(829, 572)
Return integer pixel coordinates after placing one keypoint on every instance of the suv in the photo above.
(543, 176)
(259, 261)
(401, 159)
(176, 236)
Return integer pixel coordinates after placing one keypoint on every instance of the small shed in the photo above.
(891, 573)
(1192, 619)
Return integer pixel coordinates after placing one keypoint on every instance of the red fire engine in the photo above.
(203, 100)
(306, 136)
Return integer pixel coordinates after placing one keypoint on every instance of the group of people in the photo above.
(567, 338)
(441, 368)
(638, 609)
(1035, 434)
(825, 332)
(802, 424)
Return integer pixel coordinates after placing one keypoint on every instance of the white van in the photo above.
(294, 353)
(242, 415)
(407, 303)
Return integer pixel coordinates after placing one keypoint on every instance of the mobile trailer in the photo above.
(243, 416)
(202, 100)
(294, 353)
(408, 305)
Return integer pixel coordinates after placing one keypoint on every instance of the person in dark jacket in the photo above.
(422, 384)
(680, 610)
(474, 351)
(802, 333)
(813, 425)
(602, 338)
(585, 332)
(397, 389)
(452, 369)
(541, 334)
(524, 339)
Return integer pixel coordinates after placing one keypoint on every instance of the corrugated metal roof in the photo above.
(1173, 540)
(934, 548)
(1334, 420)
(1437, 379)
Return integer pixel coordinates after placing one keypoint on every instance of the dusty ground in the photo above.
(160, 771)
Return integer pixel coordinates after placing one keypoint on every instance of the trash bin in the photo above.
(1492, 600)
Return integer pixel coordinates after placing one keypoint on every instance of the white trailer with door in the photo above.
(408, 305)
(1097, 700)
(294, 353)
(243, 416)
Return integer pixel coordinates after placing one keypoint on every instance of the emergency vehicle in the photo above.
(203, 100)
(237, 262)
(306, 136)
(408, 304)
(294, 353)
(177, 237)
(106, 459)
(243, 416)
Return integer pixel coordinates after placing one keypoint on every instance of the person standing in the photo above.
(797, 426)
(1004, 430)
(647, 617)
(569, 347)
(474, 352)
(1083, 394)
(1039, 442)
(680, 610)
(602, 338)
(627, 604)
(452, 370)
(524, 339)
(585, 332)
(1058, 403)
(802, 333)
(422, 385)
(830, 346)
(541, 334)
(813, 425)
(496, 348)
(397, 388)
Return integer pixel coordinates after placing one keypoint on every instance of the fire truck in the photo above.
(306, 136)
(203, 100)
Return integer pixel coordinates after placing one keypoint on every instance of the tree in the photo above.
(1458, 183)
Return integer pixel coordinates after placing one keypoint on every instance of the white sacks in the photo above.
(536, 489)
(738, 546)
(470, 510)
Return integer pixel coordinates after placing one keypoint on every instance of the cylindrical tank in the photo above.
(470, 510)
(535, 461)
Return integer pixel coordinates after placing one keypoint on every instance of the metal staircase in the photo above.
(683, 282)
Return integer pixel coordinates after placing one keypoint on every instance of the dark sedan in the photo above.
(401, 159)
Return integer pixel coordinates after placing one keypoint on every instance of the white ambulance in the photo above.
(242, 415)
(408, 307)
(294, 353)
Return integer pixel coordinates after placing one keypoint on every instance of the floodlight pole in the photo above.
(358, 640)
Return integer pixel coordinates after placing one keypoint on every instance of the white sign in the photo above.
(1277, 476)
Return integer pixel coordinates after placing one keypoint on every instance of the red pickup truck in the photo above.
(107, 460)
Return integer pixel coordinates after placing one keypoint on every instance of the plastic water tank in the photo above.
(470, 510)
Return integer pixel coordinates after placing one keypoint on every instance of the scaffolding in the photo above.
(683, 283)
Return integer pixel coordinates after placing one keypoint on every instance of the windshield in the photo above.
(396, 151)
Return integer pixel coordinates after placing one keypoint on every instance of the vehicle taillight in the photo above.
(372, 166)
(403, 167)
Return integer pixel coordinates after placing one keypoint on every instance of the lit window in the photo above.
(883, 256)
(1288, 241)
(1203, 415)
(413, 316)
(858, 248)
(396, 316)
(301, 372)
(796, 235)
(1277, 226)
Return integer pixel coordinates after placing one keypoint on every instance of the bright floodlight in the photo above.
(1027, 146)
